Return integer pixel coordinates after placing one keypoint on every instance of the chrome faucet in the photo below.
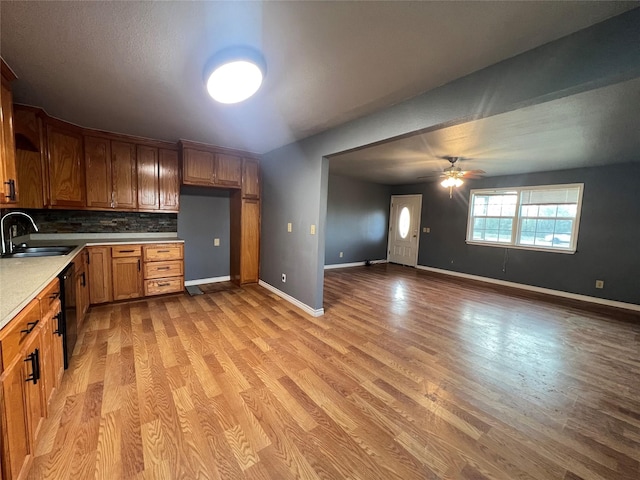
(4, 246)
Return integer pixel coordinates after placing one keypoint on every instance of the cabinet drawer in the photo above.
(48, 297)
(16, 334)
(170, 251)
(163, 285)
(172, 268)
(126, 251)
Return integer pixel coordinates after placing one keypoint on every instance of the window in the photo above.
(404, 222)
(536, 218)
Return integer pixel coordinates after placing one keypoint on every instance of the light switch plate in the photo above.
(313, 230)
(216, 242)
(289, 228)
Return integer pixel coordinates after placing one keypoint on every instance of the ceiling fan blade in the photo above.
(473, 173)
(430, 175)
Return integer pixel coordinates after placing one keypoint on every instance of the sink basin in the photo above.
(38, 252)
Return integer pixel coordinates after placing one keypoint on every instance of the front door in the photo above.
(404, 224)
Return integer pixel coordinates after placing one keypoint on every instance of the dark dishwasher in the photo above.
(69, 324)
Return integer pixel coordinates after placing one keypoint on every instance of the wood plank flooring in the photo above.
(408, 376)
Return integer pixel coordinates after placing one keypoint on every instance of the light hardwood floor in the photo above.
(407, 376)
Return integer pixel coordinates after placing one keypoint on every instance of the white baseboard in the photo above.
(313, 312)
(546, 291)
(202, 281)
(353, 264)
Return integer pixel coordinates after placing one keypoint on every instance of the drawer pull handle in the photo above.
(58, 330)
(12, 189)
(164, 268)
(34, 358)
(162, 251)
(166, 284)
(126, 251)
(54, 295)
(30, 327)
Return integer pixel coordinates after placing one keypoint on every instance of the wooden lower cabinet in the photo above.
(163, 268)
(32, 366)
(82, 286)
(99, 270)
(126, 271)
(127, 277)
(16, 449)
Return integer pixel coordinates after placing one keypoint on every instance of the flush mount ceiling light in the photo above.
(234, 74)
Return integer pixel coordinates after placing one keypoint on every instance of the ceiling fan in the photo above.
(453, 175)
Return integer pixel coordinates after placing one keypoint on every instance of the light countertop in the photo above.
(21, 279)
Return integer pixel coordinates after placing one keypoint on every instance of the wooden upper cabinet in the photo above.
(66, 172)
(30, 157)
(198, 167)
(210, 166)
(250, 178)
(123, 169)
(8, 177)
(228, 170)
(148, 181)
(97, 162)
(169, 180)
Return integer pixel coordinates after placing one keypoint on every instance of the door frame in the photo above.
(417, 195)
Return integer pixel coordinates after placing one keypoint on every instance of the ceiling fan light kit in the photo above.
(234, 74)
(453, 175)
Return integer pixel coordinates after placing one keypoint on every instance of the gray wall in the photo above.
(296, 176)
(357, 220)
(607, 246)
(204, 215)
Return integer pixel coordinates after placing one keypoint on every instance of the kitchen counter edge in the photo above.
(16, 292)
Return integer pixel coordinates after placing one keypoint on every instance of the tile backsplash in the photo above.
(77, 221)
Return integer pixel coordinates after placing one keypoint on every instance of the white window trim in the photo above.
(516, 218)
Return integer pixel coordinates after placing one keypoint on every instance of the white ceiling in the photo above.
(597, 127)
(136, 67)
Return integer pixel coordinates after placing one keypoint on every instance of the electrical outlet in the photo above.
(289, 227)
(284, 278)
(599, 283)
(312, 230)
(216, 242)
(341, 254)
(426, 229)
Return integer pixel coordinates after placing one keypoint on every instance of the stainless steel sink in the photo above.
(38, 252)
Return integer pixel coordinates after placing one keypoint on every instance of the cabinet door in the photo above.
(249, 241)
(148, 186)
(15, 428)
(127, 277)
(82, 287)
(33, 394)
(250, 178)
(48, 364)
(99, 274)
(198, 168)
(29, 157)
(8, 183)
(123, 168)
(66, 174)
(228, 170)
(169, 178)
(97, 162)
